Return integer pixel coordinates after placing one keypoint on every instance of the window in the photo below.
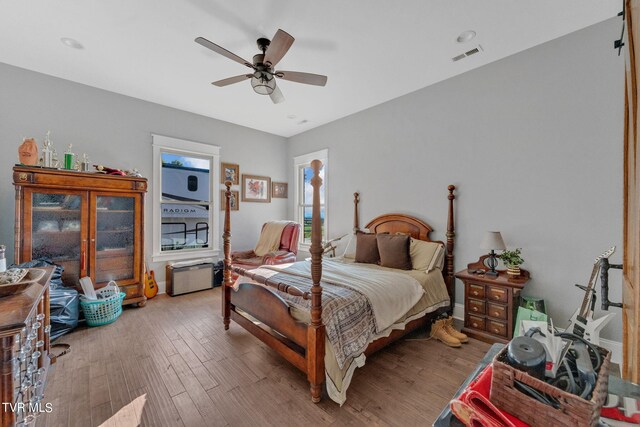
(185, 217)
(304, 194)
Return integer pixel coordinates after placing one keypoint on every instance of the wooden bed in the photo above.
(300, 343)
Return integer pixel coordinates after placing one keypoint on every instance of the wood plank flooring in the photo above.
(172, 364)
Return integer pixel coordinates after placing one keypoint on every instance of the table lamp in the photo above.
(492, 240)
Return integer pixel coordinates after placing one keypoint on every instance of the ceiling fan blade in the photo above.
(276, 96)
(231, 80)
(279, 46)
(306, 78)
(222, 51)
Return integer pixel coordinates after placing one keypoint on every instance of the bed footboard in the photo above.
(271, 309)
(301, 344)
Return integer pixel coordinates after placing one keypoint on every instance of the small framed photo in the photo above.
(230, 172)
(256, 188)
(233, 201)
(280, 190)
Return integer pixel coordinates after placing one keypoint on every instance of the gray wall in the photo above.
(115, 130)
(533, 143)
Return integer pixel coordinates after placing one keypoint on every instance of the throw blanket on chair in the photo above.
(270, 237)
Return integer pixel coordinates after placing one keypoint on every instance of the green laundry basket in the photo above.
(106, 309)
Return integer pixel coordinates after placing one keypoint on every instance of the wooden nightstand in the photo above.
(490, 303)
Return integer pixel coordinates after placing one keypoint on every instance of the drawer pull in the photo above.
(496, 313)
(475, 308)
(496, 296)
(475, 292)
(475, 325)
(496, 330)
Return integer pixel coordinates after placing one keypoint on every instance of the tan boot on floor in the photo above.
(439, 332)
(448, 326)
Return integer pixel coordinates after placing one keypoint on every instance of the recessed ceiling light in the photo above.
(72, 43)
(465, 36)
(291, 116)
(303, 121)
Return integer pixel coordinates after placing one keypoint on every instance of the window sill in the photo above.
(181, 255)
(304, 247)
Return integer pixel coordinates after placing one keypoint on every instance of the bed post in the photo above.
(226, 237)
(451, 233)
(315, 330)
(356, 214)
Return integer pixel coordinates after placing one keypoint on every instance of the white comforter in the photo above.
(376, 286)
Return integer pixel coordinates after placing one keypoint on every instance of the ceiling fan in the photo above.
(263, 76)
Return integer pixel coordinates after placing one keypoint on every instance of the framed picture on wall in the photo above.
(230, 172)
(256, 188)
(280, 190)
(234, 204)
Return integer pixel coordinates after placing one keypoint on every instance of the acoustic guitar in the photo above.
(150, 284)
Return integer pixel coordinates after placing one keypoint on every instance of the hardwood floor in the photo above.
(172, 364)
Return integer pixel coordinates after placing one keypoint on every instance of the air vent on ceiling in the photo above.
(473, 51)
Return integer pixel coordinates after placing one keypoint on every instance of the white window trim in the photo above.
(303, 160)
(161, 144)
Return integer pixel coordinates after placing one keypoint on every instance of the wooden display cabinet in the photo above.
(90, 223)
(490, 303)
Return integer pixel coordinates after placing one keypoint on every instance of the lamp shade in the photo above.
(493, 240)
(263, 83)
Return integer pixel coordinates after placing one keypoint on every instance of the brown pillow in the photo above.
(367, 248)
(394, 251)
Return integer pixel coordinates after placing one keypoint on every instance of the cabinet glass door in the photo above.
(57, 233)
(114, 239)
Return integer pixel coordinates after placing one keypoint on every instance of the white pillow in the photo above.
(424, 255)
(438, 259)
(350, 249)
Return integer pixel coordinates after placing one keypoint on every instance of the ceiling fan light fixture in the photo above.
(263, 83)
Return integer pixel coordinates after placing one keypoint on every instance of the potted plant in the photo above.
(513, 260)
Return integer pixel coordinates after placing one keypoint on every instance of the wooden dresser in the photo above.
(490, 304)
(24, 345)
(90, 223)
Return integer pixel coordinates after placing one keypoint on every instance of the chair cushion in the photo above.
(287, 235)
(253, 262)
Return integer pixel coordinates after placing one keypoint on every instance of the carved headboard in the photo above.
(418, 229)
(400, 223)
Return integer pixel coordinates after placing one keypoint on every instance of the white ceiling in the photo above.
(371, 50)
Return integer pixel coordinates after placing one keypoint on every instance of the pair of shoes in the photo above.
(439, 332)
(453, 331)
(444, 331)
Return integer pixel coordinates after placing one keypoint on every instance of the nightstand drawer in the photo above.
(475, 322)
(475, 290)
(498, 328)
(497, 294)
(475, 306)
(497, 310)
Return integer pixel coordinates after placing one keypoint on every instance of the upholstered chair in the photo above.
(286, 253)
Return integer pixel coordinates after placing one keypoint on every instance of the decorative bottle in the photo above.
(69, 158)
(47, 152)
(3, 260)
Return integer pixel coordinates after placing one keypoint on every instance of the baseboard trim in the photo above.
(458, 311)
(616, 350)
(614, 346)
(162, 287)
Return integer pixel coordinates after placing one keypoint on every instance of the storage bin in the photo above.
(573, 410)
